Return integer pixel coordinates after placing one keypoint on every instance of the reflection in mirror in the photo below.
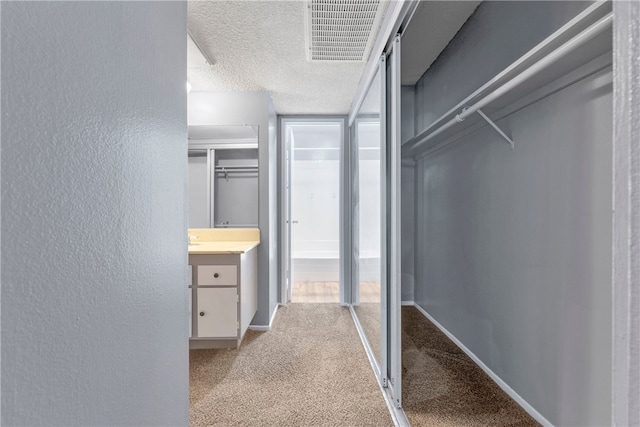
(368, 211)
(223, 176)
(235, 188)
(198, 190)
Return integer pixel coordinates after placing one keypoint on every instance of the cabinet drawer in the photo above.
(218, 275)
(217, 312)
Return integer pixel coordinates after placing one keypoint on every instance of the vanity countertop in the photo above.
(212, 241)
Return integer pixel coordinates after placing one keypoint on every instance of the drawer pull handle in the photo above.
(216, 275)
(202, 313)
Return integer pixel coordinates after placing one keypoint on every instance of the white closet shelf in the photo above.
(577, 43)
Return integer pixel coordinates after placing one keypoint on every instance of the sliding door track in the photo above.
(397, 414)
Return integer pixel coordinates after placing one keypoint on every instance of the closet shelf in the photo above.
(575, 44)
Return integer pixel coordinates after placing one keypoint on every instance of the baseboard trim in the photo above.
(412, 303)
(265, 328)
(503, 385)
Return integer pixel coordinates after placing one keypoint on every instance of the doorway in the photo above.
(312, 176)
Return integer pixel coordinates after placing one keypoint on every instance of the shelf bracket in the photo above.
(495, 126)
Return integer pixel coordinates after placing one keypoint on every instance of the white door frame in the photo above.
(389, 370)
(284, 294)
(394, 244)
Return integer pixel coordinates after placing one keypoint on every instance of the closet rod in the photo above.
(237, 167)
(577, 41)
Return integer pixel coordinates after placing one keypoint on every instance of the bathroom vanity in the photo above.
(224, 285)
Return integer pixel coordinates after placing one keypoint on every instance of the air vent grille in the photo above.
(341, 30)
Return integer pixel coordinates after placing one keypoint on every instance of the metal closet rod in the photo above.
(237, 167)
(577, 41)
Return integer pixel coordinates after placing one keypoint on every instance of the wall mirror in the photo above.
(368, 165)
(223, 176)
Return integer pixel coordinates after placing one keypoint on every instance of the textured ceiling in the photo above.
(260, 45)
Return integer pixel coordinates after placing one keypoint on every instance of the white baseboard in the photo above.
(413, 303)
(265, 327)
(504, 386)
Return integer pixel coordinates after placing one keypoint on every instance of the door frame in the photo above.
(393, 327)
(284, 202)
(380, 366)
(389, 368)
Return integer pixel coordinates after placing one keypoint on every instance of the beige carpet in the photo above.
(442, 386)
(369, 316)
(309, 370)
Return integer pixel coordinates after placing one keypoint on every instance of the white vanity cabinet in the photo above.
(224, 293)
(217, 312)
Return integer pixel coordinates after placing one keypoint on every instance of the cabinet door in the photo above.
(217, 312)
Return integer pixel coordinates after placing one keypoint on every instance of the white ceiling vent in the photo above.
(342, 30)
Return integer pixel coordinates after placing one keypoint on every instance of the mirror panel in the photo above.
(368, 209)
(223, 176)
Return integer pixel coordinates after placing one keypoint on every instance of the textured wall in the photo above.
(251, 108)
(94, 262)
(514, 246)
(626, 267)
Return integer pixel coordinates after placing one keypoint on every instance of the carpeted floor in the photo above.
(369, 316)
(442, 386)
(309, 370)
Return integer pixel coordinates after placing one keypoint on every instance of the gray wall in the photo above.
(407, 181)
(94, 261)
(626, 221)
(407, 230)
(251, 108)
(514, 246)
(497, 34)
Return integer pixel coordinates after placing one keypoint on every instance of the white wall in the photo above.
(315, 194)
(94, 261)
(251, 108)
